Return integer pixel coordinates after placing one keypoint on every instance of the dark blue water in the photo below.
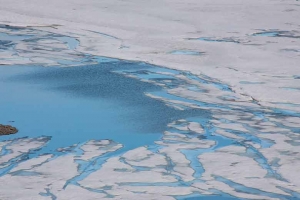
(77, 104)
(277, 33)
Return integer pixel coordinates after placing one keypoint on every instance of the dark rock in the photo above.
(7, 130)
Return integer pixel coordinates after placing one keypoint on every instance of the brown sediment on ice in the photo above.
(7, 130)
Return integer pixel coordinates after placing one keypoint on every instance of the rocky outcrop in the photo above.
(7, 130)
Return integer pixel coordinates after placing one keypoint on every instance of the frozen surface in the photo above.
(96, 127)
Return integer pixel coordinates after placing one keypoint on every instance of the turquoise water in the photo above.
(74, 105)
(211, 39)
(267, 34)
(15, 37)
(186, 52)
